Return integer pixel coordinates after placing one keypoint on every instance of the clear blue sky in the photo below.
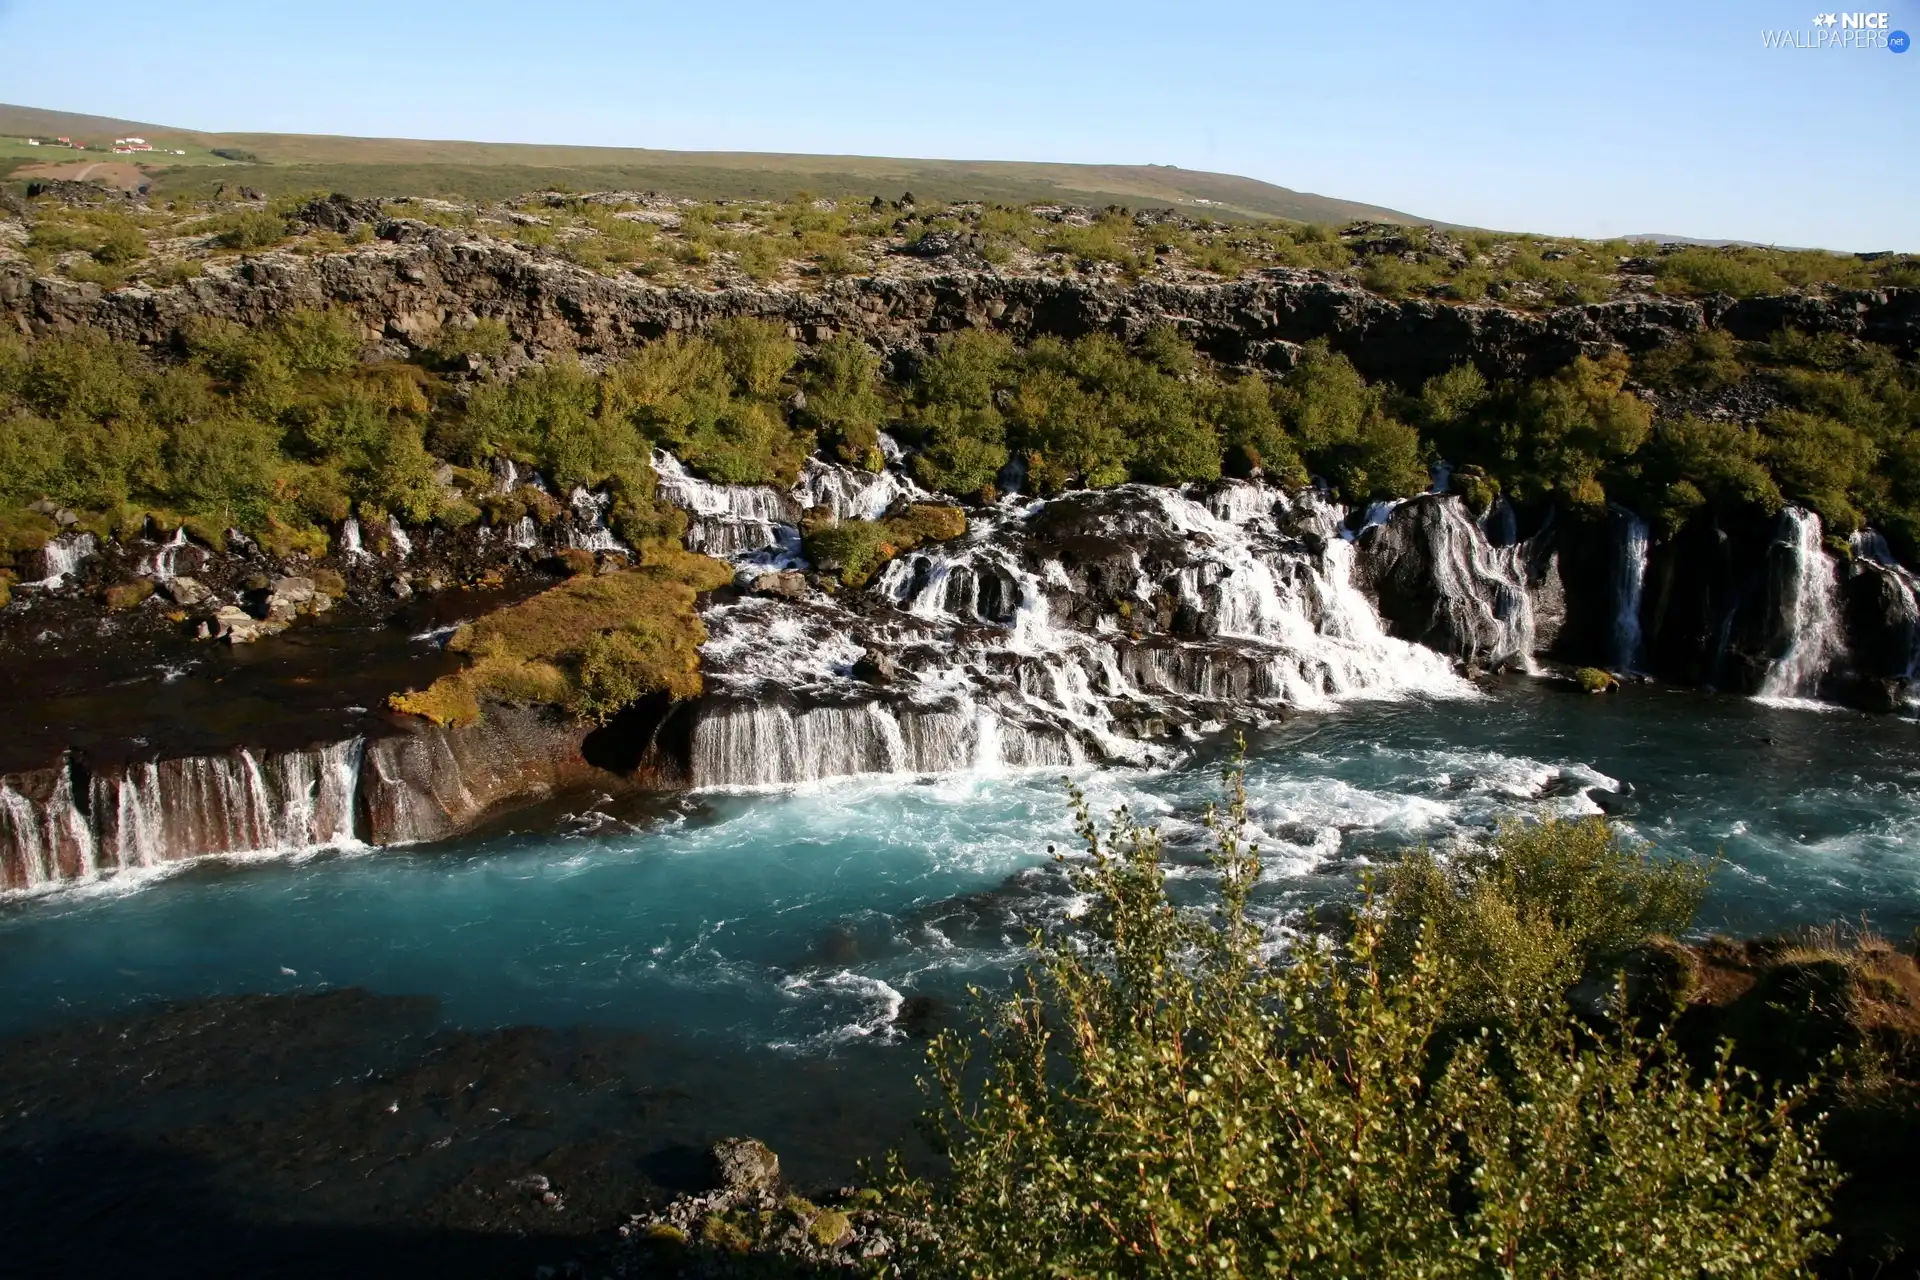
(1571, 118)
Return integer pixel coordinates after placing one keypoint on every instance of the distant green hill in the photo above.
(492, 170)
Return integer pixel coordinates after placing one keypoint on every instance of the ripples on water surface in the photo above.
(800, 921)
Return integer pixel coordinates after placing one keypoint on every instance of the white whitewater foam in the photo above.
(1813, 616)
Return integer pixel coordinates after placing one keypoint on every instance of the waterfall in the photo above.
(758, 525)
(62, 556)
(729, 520)
(148, 813)
(402, 544)
(1483, 587)
(590, 532)
(774, 743)
(351, 547)
(1629, 584)
(164, 564)
(851, 494)
(524, 534)
(1240, 501)
(1812, 612)
(980, 654)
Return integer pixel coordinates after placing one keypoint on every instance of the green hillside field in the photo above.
(491, 171)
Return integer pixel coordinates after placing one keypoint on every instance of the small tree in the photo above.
(1160, 1099)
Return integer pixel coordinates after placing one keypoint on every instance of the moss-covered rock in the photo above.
(127, 595)
(853, 551)
(593, 644)
(1594, 680)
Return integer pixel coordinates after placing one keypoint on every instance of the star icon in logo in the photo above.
(1826, 20)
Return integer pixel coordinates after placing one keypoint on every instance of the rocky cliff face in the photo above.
(416, 278)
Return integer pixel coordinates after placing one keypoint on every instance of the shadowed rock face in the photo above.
(429, 782)
(417, 277)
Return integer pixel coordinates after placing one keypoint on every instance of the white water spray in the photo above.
(1811, 611)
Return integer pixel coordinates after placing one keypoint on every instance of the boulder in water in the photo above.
(186, 592)
(789, 583)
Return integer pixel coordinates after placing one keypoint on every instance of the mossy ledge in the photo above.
(591, 645)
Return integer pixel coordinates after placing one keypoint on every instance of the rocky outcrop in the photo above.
(416, 278)
(429, 782)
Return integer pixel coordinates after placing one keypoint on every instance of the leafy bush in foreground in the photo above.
(1161, 1099)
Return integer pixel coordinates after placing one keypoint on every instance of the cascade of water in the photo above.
(164, 564)
(25, 846)
(728, 520)
(402, 544)
(243, 801)
(851, 494)
(590, 532)
(524, 535)
(1484, 587)
(63, 555)
(1811, 611)
(1239, 501)
(351, 545)
(1629, 584)
(980, 669)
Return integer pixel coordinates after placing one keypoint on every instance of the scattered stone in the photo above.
(876, 667)
(789, 583)
(187, 592)
(750, 1226)
(237, 626)
(292, 596)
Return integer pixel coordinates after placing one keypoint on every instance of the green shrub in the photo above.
(1573, 424)
(1345, 430)
(1529, 916)
(855, 550)
(845, 402)
(250, 229)
(1396, 278)
(1160, 1099)
(829, 1228)
(486, 337)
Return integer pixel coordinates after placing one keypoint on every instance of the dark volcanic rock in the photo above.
(418, 277)
(431, 782)
(338, 213)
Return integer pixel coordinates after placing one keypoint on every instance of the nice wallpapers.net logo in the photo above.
(1840, 31)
